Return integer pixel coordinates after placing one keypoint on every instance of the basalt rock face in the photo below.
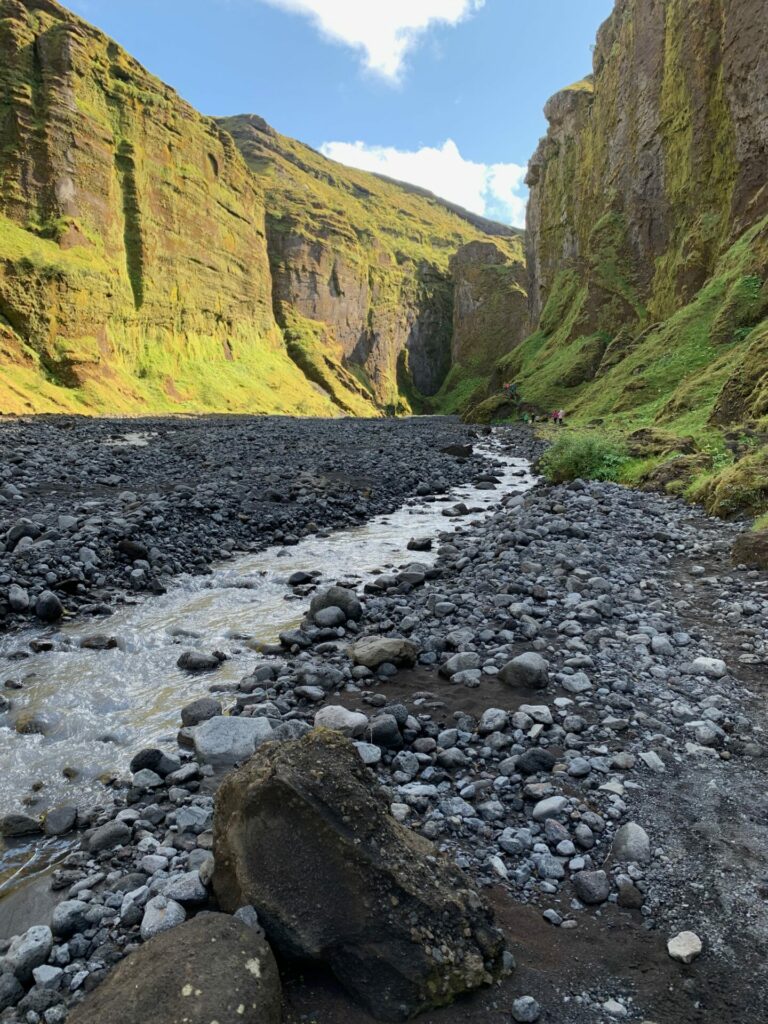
(145, 266)
(490, 302)
(647, 234)
(133, 258)
(368, 258)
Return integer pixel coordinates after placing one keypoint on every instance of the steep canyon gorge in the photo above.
(156, 260)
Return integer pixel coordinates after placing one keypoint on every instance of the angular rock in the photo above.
(535, 760)
(11, 990)
(68, 918)
(685, 947)
(225, 741)
(160, 915)
(213, 968)
(372, 651)
(302, 833)
(348, 723)
(632, 844)
(528, 670)
(29, 951)
(751, 548)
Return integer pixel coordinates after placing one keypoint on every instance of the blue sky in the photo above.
(446, 93)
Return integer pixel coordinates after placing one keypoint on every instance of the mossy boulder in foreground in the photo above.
(211, 969)
(302, 833)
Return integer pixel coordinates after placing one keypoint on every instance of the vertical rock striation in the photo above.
(647, 235)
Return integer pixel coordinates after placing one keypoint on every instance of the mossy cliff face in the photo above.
(367, 257)
(648, 231)
(133, 260)
(145, 266)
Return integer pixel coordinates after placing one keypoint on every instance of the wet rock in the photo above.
(155, 760)
(59, 821)
(99, 642)
(337, 597)
(48, 607)
(12, 825)
(213, 968)
(458, 451)
(420, 544)
(301, 833)
(200, 711)
(374, 651)
(197, 661)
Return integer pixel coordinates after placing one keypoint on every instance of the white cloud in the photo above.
(384, 30)
(492, 190)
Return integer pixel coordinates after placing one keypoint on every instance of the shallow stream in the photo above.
(98, 707)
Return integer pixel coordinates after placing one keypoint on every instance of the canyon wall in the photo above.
(147, 266)
(369, 258)
(647, 235)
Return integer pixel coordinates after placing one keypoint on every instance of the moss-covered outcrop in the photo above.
(373, 260)
(647, 234)
(146, 266)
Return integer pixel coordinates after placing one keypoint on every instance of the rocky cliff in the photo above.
(648, 234)
(372, 260)
(144, 266)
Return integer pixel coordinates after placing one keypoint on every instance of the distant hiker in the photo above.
(510, 390)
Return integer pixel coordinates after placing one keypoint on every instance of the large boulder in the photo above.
(213, 968)
(302, 833)
(372, 651)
